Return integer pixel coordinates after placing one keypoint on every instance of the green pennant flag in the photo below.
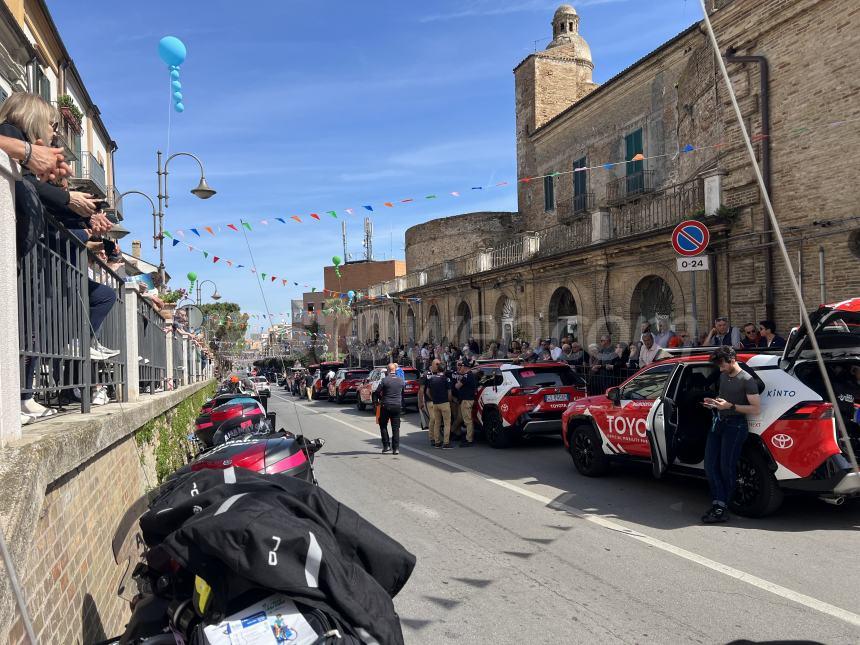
(205, 254)
(332, 213)
(167, 234)
(313, 289)
(264, 276)
(246, 225)
(430, 197)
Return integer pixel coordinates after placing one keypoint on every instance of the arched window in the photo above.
(652, 299)
(410, 325)
(434, 325)
(464, 324)
(563, 318)
(374, 330)
(506, 317)
(393, 332)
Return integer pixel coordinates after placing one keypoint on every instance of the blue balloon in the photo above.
(172, 50)
(176, 85)
(174, 75)
(179, 107)
(351, 294)
(177, 96)
(174, 68)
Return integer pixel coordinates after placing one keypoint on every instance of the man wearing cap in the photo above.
(465, 391)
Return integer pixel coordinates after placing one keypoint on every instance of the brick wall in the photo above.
(447, 238)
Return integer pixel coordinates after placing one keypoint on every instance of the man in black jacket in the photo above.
(391, 400)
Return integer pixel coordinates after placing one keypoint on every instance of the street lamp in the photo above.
(215, 296)
(202, 191)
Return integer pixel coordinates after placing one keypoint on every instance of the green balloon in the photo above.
(336, 260)
(192, 276)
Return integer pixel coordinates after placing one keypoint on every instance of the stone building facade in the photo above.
(589, 250)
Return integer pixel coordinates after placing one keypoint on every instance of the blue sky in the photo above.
(298, 106)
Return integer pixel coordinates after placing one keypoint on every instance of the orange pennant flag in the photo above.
(639, 157)
(389, 204)
(315, 216)
(297, 218)
(208, 229)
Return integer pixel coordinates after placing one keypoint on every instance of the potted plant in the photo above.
(71, 112)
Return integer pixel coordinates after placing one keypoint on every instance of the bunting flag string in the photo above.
(685, 149)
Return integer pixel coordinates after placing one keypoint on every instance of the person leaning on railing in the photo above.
(30, 120)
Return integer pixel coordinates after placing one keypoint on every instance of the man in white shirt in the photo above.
(648, 351)
(554, 350)
(664, 334)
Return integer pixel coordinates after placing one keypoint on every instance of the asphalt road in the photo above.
(514, 546)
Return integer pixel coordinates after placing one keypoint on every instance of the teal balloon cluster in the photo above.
(172, 51)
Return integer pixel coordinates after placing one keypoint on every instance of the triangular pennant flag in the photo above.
(502, 183)
(455, 193)
(430, 197)
(296, 283)
(313, 289)
(209, 230)
(240, 266)
(262, 274)
(175, 242)
(688, 148)
(264, 222)
(205, 254)
(297, 218)
(167, 234)
(284, 284)
(190, 249)
(608, 166)
(215, 259)
(229, 263)
(233, 226)
(195, 231)
(315, 216)
(638, 157)
(274, 278)
(181, 233)
(370, 208)
(580, 169)
(477, 188)
(349, 210)
(556, 173)
(332, 213)
(526, 180)
(406, 201)
(281, 220)
(389, 204)
(246, 225)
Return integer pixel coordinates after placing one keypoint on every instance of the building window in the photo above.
(635, 176)
(41, 83)
(310, 307)
(3, 95)
(548, 193)
(580, 187)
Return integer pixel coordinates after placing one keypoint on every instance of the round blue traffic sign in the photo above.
(690, 238)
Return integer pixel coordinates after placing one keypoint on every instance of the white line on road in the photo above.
(755, 581)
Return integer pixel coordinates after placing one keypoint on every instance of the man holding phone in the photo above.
(738, 399)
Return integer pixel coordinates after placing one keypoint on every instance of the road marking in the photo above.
(719, 567)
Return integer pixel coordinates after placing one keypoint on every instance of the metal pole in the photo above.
(694, 310)
(160, 236)
(822, 291)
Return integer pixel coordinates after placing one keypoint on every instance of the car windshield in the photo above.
(410, 375)
(354, 375)
(838, 335)
(547, 377)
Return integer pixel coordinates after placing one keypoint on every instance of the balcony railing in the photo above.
(661, 211)
(151, 347)
(583, 203)
(115, 202)
(89, 175)
(629, 187)
(562, 238)
(510, 252)
(178, 359)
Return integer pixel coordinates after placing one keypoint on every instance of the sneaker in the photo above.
(466, 444)
(386, 449)
(437, 445)
(395, 451)
(26, 418)
(36, 410)
(101, 353)
(100, 396)
(446, 446)
(141, 359)
(715, 515)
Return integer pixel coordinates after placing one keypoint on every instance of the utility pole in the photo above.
(368, 239)
(343, 232)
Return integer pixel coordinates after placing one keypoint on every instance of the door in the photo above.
(662, 424)
(633, 146)
(626, 425)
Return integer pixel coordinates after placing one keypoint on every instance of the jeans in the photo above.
(722, 452)
(386, 413)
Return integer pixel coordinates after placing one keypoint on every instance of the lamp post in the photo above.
(215, 296)
(202, 191)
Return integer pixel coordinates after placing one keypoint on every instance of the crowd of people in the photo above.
(52, 216)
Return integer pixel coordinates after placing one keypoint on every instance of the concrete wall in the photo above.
(65, 485)
(447, 238)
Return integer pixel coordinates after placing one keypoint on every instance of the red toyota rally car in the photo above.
(657, 416)
(345, 384)
(516, 400)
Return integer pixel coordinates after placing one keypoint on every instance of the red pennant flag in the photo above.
(215, 259)
(274, 278)
(297, 218)
(284, 281)
(406, 201)
(229, 263)
(233, 226)
(315, 216)
(208, 229)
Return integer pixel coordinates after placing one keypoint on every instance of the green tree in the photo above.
(225, 326)
(338, 310)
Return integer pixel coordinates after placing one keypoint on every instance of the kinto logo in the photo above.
(782, 441)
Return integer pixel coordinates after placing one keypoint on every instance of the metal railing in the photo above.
(564, 237)
(89, 173)
(178, 362)
(54, 322)
(115, 201)
(510, 252)
(661, 211)
(151, 348)
(629, 186)
(583, 203)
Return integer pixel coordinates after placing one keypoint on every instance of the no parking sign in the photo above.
(690, 238)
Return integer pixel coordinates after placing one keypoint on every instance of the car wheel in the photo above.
(338, 399)
(586, 450)
(757, 492)
(361, 405)
(496, 434)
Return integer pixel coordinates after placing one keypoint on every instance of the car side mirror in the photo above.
(614, 395)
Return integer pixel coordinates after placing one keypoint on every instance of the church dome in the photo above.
(564, 10)
(566, 37)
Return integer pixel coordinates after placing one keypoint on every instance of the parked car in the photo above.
(366, 390)
(657, 416)
(320, 384)
(261, 384)
(513, 401)
(345, 384)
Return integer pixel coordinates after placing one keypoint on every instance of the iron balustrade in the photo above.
(151, 347)
(661, 211)
(178, 362)
(509, 253)
(564, 237)
(629, 186)
(583, 203)
(54, 330)
(89, 174)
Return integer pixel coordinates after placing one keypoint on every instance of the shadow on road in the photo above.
(628, 492)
